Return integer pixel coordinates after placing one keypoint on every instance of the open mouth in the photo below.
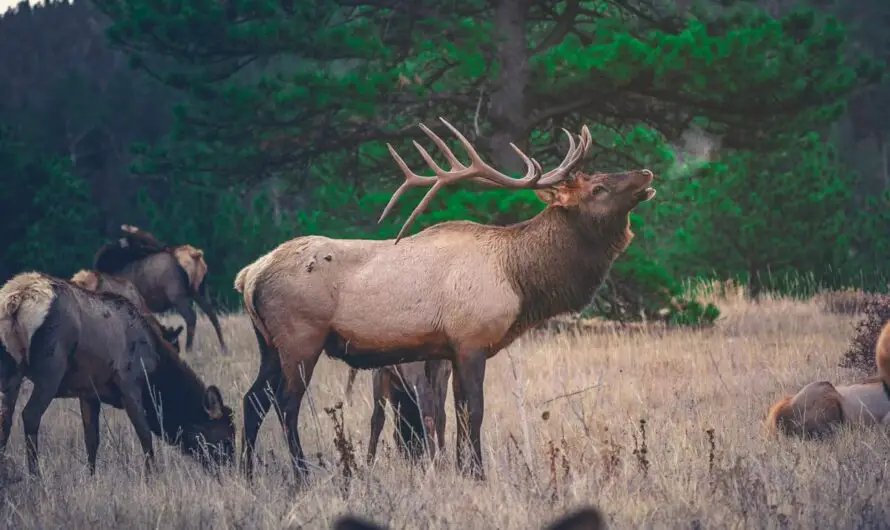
(645, 194)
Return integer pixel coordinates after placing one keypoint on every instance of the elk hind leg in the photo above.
(48, 368)
(350, 381)
(469, 406)
(89, 416)
(258, 400)
(10, 385)
(299, 349)
(183, 306)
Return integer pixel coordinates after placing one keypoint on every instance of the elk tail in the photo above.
(245, 283)
(882, 357)
(25, 301)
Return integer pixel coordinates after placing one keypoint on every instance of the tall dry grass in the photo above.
(562, 428)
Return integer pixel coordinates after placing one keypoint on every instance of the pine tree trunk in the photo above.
(508, 110)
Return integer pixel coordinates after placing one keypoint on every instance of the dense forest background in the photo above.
(234, 125)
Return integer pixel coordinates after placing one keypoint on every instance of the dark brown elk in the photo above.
(166, 277)
(588, 518)
(458, 291)
(416, 392)
(97, 347)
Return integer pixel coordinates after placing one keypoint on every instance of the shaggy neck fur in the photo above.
(180, 394)
(557, 260)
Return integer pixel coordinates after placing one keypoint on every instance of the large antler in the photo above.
(478, 170)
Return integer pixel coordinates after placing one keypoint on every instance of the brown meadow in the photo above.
(659, 430)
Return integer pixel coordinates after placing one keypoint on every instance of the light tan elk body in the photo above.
(458, 290)
(820, 407)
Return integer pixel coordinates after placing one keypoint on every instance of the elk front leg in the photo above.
(469, 406)
(89, 415)
(131, 394)
(208, 310)
(10, 384)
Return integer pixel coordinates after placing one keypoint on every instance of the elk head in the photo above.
(212, 440)
(597, 195)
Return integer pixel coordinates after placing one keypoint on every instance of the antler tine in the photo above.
(411, 180)
(443, 147)
(477, 170)
(420, 207)
(456, 165)
(574, 155)
(484, 171)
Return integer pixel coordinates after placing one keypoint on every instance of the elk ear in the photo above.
(213, 402)
(349, 522)
(587, 518)
(565, 194)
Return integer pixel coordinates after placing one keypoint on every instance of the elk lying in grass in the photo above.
(97, 347)
(416, 392)
(457, 291)
(588, 518)
(820, 407)
(166, 277)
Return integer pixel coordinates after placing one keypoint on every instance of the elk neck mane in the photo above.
(558, 259)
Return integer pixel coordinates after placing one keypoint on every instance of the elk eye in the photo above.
(598, 189)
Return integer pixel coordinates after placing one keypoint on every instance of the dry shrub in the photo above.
(845, 302)
(861, 353)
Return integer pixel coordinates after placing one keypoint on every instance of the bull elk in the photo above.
(458, 290)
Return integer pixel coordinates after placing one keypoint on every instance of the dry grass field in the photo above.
(584, 393)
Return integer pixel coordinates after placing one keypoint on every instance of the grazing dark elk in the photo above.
(416, 392)
(588, 518)
(97, 347)
(167, 277)
(458, 290)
